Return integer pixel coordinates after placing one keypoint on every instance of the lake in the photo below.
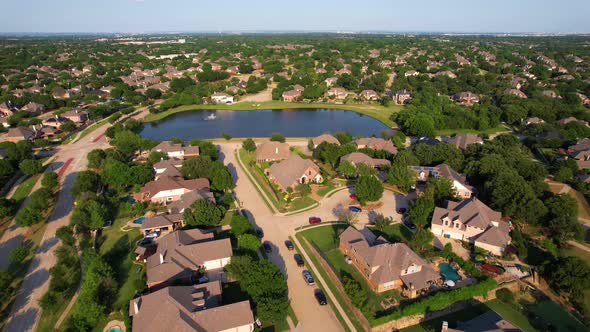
(262, 123)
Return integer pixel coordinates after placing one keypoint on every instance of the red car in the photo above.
(352, 196)
(314, 220)
(401, 210)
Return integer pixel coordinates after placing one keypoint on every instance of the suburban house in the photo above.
(162, 224)
(176, 150)
(7, 109)
(233, 70)
(167, 167)
(402, 97)
(533, 120)
(272, 151)
(385, 265)
(462, 189)
(331, 81)
(357, 158)
(55, 121)
(76, 115)
(222, 98)
(515, 92)
(369, 95)
(190, 308)
(168, 189)
(466, 98)
(20, 134)
(291, 95)
(337, 93)
(34, 108)
(411, 73)
(488, 321)
(567, 120)
(294, 171)
(187, 199)
(375, 143)
(581, 153)
(463, 140)
(324, 138)
(474, 222)
(182, 258)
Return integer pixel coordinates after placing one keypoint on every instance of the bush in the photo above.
(505, 295)
(19, 254)
(28, 217)
(7, 207)
(226, 136)
(66, 235)
(40, 199)
(355, 292)
(276, 137)
(30, 166)
(50, 181)
(249, 145)
(368, 188)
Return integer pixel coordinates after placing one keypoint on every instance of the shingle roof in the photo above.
(189, 198)
(325, 138)
(463, 140)
(291, 170)
(168, 183)
(361, 158)
(272, 151)
(377, 144)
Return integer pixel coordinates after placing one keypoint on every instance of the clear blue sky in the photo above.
(305, 15)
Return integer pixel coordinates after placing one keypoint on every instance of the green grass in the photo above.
(24, 188)
(326, 188)
(552, 313)
(583, 207)
(585, 256)
(395, 233)
(301, 203)
(449, 132)
(324, 238)
(85, 132)
(378, 112)
(511, 314)
(452, 319)
(250, 176)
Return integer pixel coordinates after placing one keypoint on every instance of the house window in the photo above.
(388, 284)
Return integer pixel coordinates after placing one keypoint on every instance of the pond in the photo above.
(261, 123)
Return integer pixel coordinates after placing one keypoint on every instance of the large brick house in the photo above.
(168, 189)
(462, 189)
(272, 151)
(176, 150)
(294, 171)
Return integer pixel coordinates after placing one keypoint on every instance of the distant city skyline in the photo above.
(148, 16)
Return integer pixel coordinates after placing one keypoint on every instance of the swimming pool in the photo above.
(139, 220)
(448, 272)
(114, 329)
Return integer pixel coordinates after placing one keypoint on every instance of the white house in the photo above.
(222, 98)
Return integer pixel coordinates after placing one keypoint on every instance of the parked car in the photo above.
(352, 196)
(203, 280)
(410, 225)
(402, 210)
(308, 278)
(145, 242)
(152, 235)
(298, 260)
(319, 295)
(259, 233)
(314, 220)
(289, 245)
(355, 209)
(267, 247)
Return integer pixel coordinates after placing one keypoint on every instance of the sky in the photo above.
(144, 16)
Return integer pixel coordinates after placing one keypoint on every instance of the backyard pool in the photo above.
(139, 220)
(448, 272)
(115, 329)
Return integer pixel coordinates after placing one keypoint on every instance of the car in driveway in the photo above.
(401, 210)
(267, 247)
(289, 245)
(152, 235)
(308, 278)
(314, 220)
(259, 233)
(299, 260)
(352, 196)
(355, 209)
(320, 296)
(410, 225)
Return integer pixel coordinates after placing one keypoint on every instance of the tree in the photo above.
(368, 188)
(249, 243)
(19, 254)
(7, 207)
(238, 266)
(67, 127)
(153, 93)
(90, 214)
(401, 176)
(6, 168)
(203, 213)
(381, 222)
(267, 286)
(303, 189)
(66, 235)
(562, 218)
(240, 225)
(30, 166)
(39, 200)
(156, 156)
(505, 295)
(127, 142)
(441, 188)
(116, 174)
(355, 292)
(28, 217)
(276, 137)
(343, 137)
(206, 148)
(86, 181)
(50, 180)
(226, 136)
(420, 212)
(197, 167)
(346, 169)
(96, 158)
(366, 170)
(421, 239)
(568, 274)
(249, 145)
(221, 179)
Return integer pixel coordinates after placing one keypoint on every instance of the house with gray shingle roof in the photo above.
(294, 171)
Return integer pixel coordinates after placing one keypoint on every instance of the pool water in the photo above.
(114, 329)
(448, 272)
(139, 220)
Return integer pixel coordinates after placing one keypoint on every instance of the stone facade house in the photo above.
(357, 158)
(176, 150)
(462, 189)
(463, 140)
(294, 171)
(375, 143)
(272, 151)
(168, 189)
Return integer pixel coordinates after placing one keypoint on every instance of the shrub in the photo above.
(19, 254)
(30, 166)
(355, 292)
(276, 137)
(28, 217)
(505, 295)
(50, 181)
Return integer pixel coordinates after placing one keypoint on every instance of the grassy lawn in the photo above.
(459, 316)
(378, 112)
(584, 255)
(449, 132)
(24, 188)
(552, 313)
(301, 203)
(256, 175)
(326, 188)
(395, 233)
(511, 314)
(583, 207)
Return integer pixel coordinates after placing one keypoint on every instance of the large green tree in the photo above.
(203, 213)
(368, 189)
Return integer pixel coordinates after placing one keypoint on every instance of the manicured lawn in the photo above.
(301, 203)
(511, 314)
(552, 313)
(449, 132)
(24, 188)
(452, 319)
(326, 188)
(395, 233)
(324, 238)
(583, 207)
(255, 174)
(376, 111)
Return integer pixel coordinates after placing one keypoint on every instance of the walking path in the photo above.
(579, 246)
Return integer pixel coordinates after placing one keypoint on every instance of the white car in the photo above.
(152, 235)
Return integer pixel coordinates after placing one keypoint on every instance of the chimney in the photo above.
(276, 150)
(136, 307)
(445, 326)
(161, 258)
(495, 223)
